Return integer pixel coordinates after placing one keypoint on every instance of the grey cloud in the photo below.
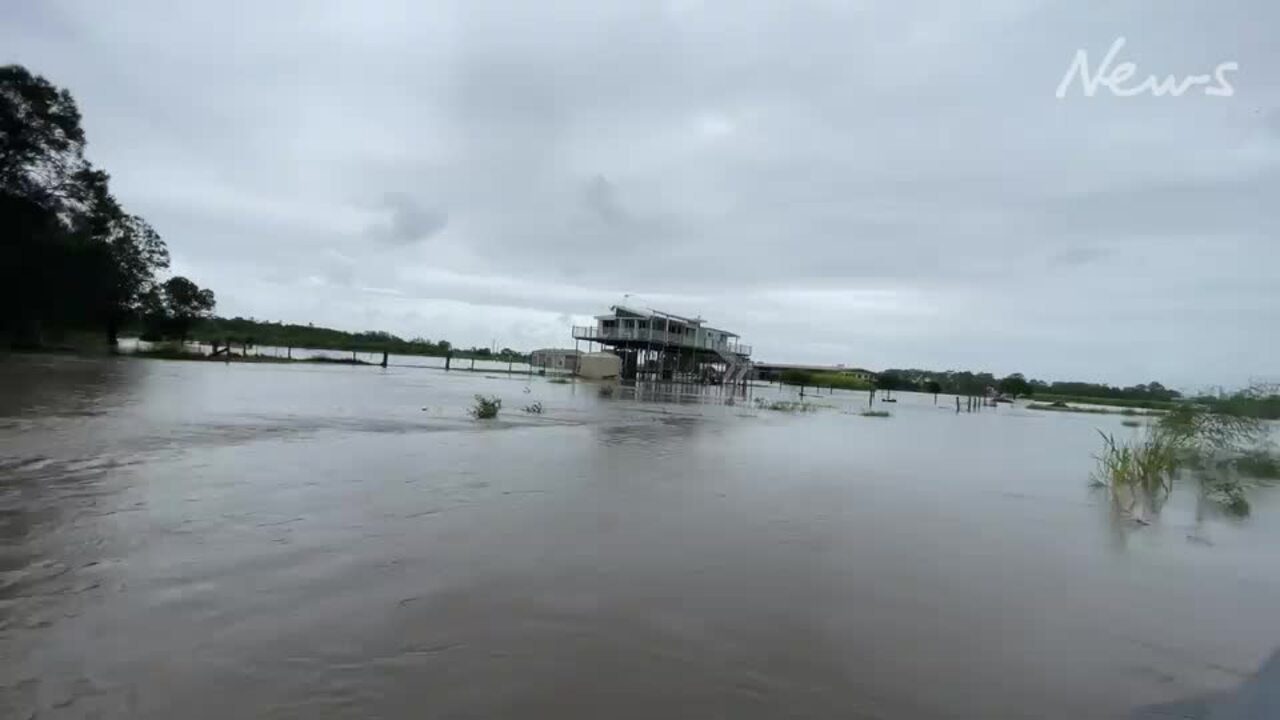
(1076, 256)
(899, 173)
(410, 221)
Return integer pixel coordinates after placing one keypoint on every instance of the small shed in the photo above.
(599, 366)
(565, 360)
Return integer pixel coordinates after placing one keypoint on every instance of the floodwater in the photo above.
(200, 540)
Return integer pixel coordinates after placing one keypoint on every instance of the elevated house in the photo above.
(657, 345)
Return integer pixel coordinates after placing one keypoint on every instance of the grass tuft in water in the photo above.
(876, 413)
(1140, 469)
(1221, 450)
(1227, 492)
(485, 408)
(534, 409)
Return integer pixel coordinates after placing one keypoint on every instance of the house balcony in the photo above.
(628, 336)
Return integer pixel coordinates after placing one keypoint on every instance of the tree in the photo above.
(174, 306)
(126, 253)
(41, 141)
(41, 156)
(71, 257)
(892, 380)
(934, 387)
(1015, 385)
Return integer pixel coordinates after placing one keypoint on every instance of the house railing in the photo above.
(662, 337)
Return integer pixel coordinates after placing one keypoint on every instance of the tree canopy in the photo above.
(71, 258)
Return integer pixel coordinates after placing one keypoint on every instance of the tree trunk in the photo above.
(113, 335)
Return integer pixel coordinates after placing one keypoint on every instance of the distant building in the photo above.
(657, 345)
(565, 360)
(860, 373)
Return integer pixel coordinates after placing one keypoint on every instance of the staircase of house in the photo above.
(736, 365)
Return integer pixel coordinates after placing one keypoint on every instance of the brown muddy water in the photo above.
(198, 540)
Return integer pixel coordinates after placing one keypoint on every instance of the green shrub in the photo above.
(486, 408)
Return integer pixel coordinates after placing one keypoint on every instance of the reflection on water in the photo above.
(208, 540)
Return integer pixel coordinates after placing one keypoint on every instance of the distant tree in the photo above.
(795, 376)
(1015, 385)
(175, 305)
(893, 380)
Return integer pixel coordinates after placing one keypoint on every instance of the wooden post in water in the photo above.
(384, 359)
(957, 404)
(289, 353)
(448, 358)
(473, 363)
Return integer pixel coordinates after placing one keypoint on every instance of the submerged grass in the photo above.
(331, 361)
(1112, 402)
(558, 381)
(785, 405)
(1143, 466)
(876, 413)
(175, 354)
(1227, 492)
(485, 408)
(1063, 407)
(1258, 464)
(1225, 452)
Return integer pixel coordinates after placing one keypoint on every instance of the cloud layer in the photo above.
(873, 183)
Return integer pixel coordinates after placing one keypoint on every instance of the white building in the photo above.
(564, 360)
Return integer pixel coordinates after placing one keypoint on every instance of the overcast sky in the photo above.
(887, 183)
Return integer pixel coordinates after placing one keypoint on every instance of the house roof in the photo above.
(619, 310)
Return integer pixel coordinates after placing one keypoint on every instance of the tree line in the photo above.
(71, 257)
(954, 382)
(964, 382)
(247, 331)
